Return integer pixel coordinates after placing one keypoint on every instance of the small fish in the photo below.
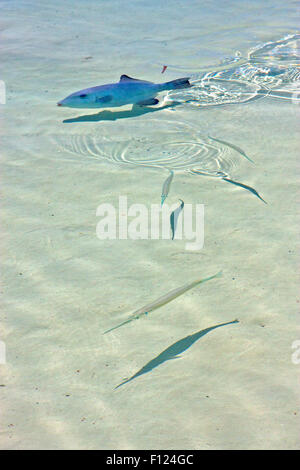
(162, 301)
(127, 91)
(164, 68)
(166, 187)
(234, 147)
(174, 217)
(173, 351)
(252, 190)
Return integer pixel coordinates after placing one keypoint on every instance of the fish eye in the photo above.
(83, 95)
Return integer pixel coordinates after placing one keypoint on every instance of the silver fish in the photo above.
(166, 187)
(234, 147)
(162, 301)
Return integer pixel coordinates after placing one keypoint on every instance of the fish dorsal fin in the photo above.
(126, 78)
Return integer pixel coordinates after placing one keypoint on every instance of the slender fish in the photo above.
(234, 147)
(166, 187)
(174, 217)
(173, 351)
(163, 300)
(252, 190)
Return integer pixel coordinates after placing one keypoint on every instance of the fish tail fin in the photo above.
(118, 326)
(219, 274)
(163, 198)
(175, 84)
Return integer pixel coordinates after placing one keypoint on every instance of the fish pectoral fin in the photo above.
(104, 99)
(148, 102)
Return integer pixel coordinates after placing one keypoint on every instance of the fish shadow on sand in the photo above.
(172, 351)
(107, 115)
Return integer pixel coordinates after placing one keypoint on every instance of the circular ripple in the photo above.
(162, 144)
(180, 146)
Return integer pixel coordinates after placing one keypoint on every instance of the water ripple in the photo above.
(270, 69)
(267, 67)
(164, 144)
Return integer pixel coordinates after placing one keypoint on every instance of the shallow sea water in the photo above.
(231, 387)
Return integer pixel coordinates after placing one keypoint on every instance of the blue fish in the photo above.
(173, 351)
(127, 91)
(252, 190)
(174, 217)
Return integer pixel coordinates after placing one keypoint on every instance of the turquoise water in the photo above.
(231, 137)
